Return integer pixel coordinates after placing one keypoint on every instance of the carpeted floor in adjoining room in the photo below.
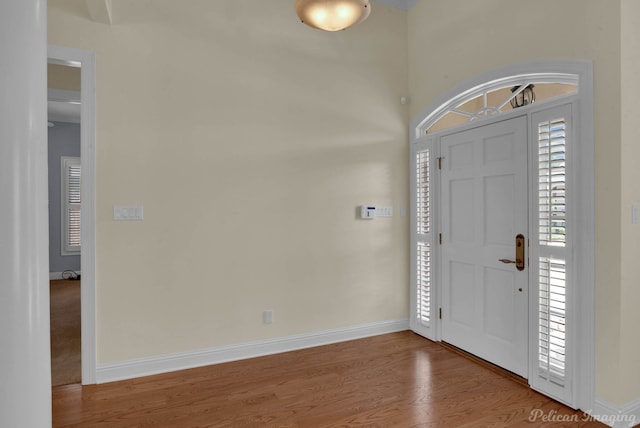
(65, 332)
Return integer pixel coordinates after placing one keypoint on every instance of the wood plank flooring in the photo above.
(66, 365)
(393, 380)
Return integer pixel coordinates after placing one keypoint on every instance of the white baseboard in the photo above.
(615, 416)
(58, 275)
(186, 360)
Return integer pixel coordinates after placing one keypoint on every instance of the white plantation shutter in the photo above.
(552, 320)
(552, 370)
(71, 203)
(552, 182)
(422, 238)
(423, 275)
(423, 213)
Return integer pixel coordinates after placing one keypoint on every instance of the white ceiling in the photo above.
(64, 112)
(102, 10)
(400, 4)
(63, 106)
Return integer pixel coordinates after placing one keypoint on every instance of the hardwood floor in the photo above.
(66, 364)
(393, 380)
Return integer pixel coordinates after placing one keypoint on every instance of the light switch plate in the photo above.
(128, 212)
(384, 212)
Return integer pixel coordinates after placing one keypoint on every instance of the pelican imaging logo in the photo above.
(539, 415)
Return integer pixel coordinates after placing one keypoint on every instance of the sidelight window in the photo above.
(71, 173)
(551, 128)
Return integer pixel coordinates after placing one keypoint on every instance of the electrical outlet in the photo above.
(267, 316)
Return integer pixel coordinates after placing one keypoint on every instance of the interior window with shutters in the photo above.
(423, 229)
(552, 281)
(71, 174)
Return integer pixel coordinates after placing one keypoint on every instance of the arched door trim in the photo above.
(580, 72)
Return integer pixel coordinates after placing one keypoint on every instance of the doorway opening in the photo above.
(77, 222)
(466, 208)
(65, 207)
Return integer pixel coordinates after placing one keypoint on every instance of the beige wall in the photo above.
(451, 41)
(630, 290)
(63, 77)
(250, 139)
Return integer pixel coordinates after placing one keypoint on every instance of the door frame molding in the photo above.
(85, 60)
(584, 209)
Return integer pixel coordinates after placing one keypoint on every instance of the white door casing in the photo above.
(547, 269)
(484, 206)
(86, 61)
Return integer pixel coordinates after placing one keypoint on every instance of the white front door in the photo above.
(484, 206)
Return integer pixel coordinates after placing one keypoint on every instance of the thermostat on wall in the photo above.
(368, 212)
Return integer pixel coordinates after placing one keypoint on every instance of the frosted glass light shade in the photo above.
(332, 15)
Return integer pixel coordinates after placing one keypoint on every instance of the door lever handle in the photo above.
(519, 261)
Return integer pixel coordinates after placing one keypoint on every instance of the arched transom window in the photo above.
(494, 98)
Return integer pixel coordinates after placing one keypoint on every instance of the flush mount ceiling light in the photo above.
(332, 15)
